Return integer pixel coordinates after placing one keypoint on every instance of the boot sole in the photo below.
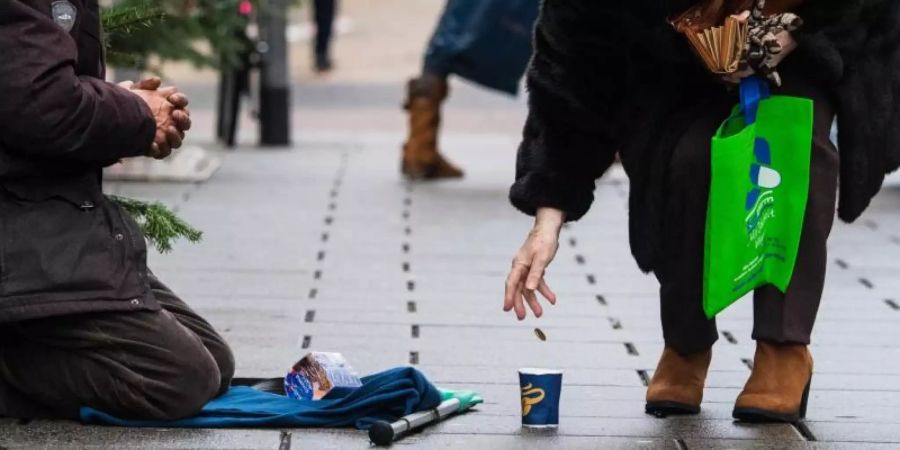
(666, 408)
(755, 415)
(758, 415)
(425, 174)
(417, 176)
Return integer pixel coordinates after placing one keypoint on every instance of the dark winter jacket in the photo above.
(613, 77)
(64, 247)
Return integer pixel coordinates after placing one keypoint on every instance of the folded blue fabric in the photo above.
(387, 396)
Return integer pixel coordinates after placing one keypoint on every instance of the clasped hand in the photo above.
(170, 111)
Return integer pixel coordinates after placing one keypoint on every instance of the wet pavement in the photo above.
(322, 246)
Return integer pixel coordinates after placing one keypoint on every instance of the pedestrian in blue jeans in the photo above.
(324, 12)
(487, 42)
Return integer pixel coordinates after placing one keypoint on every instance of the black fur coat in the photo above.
(612, 77)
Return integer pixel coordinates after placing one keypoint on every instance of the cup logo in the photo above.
(530, 396)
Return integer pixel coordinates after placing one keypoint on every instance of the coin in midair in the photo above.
(540, 334)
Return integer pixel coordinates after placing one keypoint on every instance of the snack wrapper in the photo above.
(319, 373)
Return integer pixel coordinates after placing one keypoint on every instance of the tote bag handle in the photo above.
(754, 89)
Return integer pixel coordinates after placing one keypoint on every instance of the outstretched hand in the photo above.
(529, 265)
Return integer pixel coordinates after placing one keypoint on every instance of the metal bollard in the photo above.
(274, 92)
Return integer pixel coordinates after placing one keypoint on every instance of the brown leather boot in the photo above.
(421, 159)
(677, 384)
(778, 388)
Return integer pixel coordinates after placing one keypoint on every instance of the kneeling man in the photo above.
(83, 322)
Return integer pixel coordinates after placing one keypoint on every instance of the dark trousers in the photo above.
(324, 12)
(780, 318)
(142, 365)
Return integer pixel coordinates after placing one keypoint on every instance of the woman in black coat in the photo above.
(614, 77)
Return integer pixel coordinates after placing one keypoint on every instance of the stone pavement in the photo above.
(323, 247)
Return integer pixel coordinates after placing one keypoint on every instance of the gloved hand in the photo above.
(770, 41)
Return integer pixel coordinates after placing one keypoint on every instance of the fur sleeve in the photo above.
(855, 44)
(575, 84)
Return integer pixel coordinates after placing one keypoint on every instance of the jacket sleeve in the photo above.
(47, 110)
(855, 47)
(837, 32)
(575, 82)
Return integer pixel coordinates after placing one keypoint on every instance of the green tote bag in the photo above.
(758, 194)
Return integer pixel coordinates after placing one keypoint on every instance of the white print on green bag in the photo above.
(760, 206)
(757, 198)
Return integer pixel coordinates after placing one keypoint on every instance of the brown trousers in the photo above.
(140, 365)
(781, 318)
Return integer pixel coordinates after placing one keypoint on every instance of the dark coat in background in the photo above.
(486, 41)
(613, 77)
(64, 247)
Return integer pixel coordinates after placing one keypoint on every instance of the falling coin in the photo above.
(540, 334)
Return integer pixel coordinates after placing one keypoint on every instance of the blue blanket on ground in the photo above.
(387, 396)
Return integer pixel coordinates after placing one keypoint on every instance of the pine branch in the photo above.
(159, 224)
(171, 31)
(127, 26)
(121, 59)
(124, 18)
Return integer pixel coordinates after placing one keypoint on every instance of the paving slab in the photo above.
(730, 444)
(629, 428)
(534, 441)
(53, 435)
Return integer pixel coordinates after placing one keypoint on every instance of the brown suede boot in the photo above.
(421, 159)
(677, 384)
(778, 388)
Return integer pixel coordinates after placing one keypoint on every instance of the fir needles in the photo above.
(158, 223)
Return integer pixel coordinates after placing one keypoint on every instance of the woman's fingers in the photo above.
(518, 294)
(515, 289)
(533, 303)
(526, 277)
(519, 304)
(545, 290)
(513, 285)
(536, 274)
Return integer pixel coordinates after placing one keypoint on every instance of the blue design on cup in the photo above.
(540, 391)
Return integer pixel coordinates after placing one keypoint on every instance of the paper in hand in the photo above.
(721, 48)
(717, 33)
